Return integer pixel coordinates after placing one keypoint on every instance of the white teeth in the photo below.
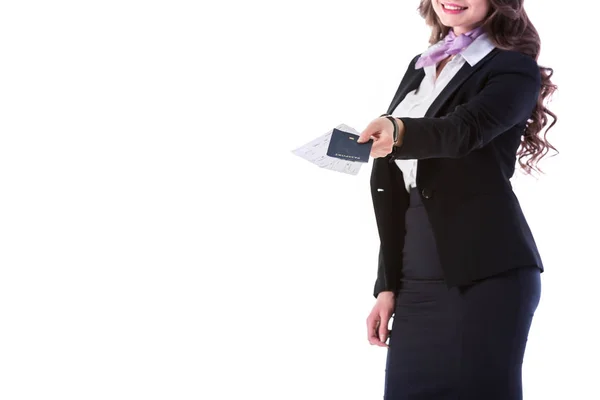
(453, 8)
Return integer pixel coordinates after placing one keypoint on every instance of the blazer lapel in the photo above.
(461, 76)
(411, 83)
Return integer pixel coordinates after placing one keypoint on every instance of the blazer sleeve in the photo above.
(390, 206)
(383, 281)
(507, 99)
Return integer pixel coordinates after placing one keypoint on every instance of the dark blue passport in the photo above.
(343, 145)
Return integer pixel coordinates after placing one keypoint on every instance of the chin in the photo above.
(450, 22)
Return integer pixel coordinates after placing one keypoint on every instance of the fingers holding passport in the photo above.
(380, 131)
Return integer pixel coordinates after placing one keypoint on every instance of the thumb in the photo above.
(383, 329)
(369, 131)
(383, 334)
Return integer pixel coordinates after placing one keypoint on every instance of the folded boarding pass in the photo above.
(337, 150)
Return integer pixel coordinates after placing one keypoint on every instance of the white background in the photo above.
(158, 239)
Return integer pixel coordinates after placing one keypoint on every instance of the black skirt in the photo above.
(460, 343)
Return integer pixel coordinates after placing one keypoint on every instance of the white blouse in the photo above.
(417, 102)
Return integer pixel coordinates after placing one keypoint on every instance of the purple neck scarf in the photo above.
(451, 45)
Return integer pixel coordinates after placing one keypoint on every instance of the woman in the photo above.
(458, 266)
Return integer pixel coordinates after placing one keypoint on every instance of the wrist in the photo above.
(394, 126)
(398, 126)
(386, 294)
(400, 136)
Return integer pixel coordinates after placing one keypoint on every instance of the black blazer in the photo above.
(466, 149)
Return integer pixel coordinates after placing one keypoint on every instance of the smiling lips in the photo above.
(450, 8)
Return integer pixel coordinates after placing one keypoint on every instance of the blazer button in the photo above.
(427, 193)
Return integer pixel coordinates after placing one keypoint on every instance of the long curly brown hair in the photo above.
(509, 28)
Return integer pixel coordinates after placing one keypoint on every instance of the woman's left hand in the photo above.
(381, 130)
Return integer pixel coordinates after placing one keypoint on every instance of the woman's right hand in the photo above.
(378, 320)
